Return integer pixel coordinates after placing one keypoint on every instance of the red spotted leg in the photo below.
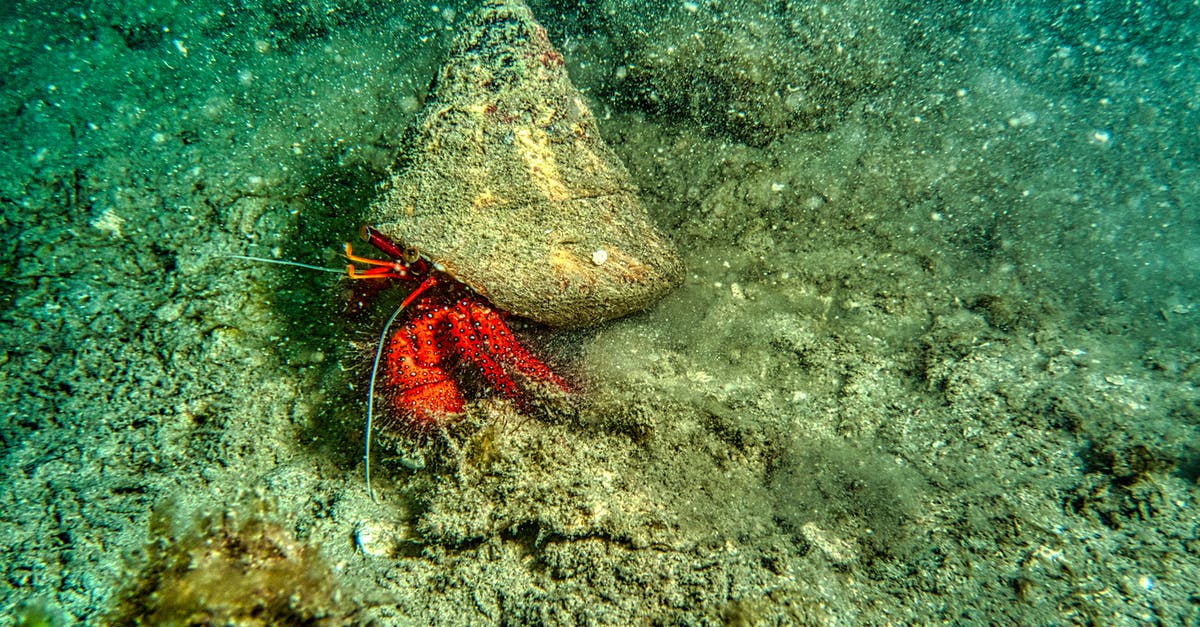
(474, 345)
(414, 370)
(499, 341)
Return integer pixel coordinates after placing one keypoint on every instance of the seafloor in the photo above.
(935, 360)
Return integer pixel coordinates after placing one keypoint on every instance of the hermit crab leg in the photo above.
(512, 353)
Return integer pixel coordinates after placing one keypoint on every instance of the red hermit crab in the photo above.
(443, 324)
(517, 205)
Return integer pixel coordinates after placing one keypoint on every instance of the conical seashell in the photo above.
(511, 189)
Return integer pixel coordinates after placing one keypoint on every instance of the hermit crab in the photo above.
(517, 208)
(445, 325)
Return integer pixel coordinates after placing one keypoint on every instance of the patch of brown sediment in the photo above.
(226, 570)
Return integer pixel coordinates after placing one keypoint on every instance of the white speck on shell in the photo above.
(599, 256)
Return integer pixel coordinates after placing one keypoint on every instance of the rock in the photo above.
(510, 188)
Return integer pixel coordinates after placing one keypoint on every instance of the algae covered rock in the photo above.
(510, 188)
(227, 570)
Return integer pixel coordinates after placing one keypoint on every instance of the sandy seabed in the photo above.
(935, 359)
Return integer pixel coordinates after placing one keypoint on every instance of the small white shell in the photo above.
(599, 256)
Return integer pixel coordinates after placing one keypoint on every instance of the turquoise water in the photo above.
(935, 357)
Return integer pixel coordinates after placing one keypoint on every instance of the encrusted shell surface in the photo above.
(511, 189)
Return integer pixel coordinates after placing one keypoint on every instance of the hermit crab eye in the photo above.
(410, 255)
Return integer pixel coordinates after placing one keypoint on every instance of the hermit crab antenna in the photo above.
(426, 284)
(280, 262)
(371, 394)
